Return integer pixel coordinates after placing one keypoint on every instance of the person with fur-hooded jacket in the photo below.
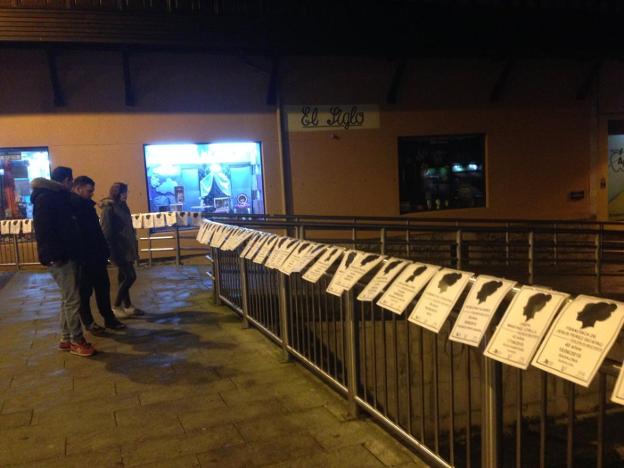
(60, 249)
(121, 237)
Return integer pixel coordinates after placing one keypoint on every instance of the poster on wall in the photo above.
(523, 326)
(580, 339)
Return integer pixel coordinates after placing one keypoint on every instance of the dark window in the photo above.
(18, 167)
(441, 172)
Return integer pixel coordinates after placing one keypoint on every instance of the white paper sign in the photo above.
(439, 298)
(5, 228)
(391, 268)
(235, 236)
(26, 226)
(618, 390)
(405, 288)
(282, 254)
(252, 240)
(159, 220)
(524, 324)
(216, 234)
(148, 220)
(295, 257)
(253, 251)
(207, 239)
(277, 251)
(196, 219)
(580, 339)
(482, 302)
(16, 226)
(321, 266)
(137, 221)
(266, 249)
(354, 266)
(312, 253)
(202, 231)
(171, 218)
(183, 218)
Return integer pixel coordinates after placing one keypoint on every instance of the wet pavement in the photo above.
(185, 385)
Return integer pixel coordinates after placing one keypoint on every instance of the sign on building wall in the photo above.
(332, 117)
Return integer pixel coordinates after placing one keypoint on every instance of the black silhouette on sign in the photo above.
(368, 259)
(350, 259)
(535, 303)
(329, 255)
(391, 266)
(302, 246)
(595, 312)
(290, 244)
(448, 280)
(317, 248)
(488, 288)
(417, 272)
(281, 241)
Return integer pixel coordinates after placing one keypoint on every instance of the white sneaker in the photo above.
(120, 312)
(133, 311)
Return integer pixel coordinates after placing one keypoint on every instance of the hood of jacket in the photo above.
(106, 202)
(41, 185)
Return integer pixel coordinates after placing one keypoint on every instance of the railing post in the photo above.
(555, 244)
(382, 241)
(351, 357)
(149, 247)
(177, 242)
(531, 258)
(407, 239)
(491, 419)
(354, 235)
(242, 267)
(216, 286)
(507, 245)
(598, 260)
(458, 250)
(17, 255)
(283, 316)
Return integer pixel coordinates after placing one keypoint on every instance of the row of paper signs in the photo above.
(164, 219)
(16, 226)
(571, 344)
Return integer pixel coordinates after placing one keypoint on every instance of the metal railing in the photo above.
(454, 406)
(20, 250)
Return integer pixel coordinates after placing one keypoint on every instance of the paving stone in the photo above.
(261, 453)
(155, 449)
(184, 384)
(13, 420)
(28, 444)
(348, 456)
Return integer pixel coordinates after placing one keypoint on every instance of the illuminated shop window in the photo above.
(441, 172)
(19, 167)
(207, 177)
(616, 170)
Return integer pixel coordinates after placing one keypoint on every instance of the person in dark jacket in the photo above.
(121, 237)
(94, 273)
(60, 249)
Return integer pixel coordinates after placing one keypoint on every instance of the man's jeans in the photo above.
(66, 276)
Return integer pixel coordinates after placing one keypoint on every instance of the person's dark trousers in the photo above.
(126, 277)
(95, 277)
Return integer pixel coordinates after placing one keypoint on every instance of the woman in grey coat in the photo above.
(122, 242)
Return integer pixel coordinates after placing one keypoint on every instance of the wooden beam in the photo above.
(272, 91)
(57, 91)
(501, 82)
(590, 78)
(129, 96)
(395, 84)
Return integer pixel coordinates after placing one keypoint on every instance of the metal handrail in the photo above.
(417, 384)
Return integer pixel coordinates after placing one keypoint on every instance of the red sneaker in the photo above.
(83, 349)
(64, 345)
